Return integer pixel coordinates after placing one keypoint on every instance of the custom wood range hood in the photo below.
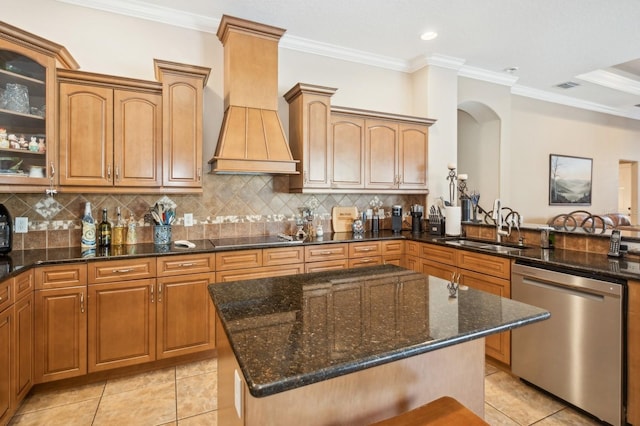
(252, 139)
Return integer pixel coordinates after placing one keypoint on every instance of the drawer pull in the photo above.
(326, 252)
(159, 293)
(152, 300)
(365, 260)
(82, 302)
(186, 265)
(366, 249)
(122, 271)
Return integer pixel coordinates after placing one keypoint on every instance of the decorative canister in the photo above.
(162, 234)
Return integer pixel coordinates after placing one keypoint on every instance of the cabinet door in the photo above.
(182, 131)
(497, 346)
(137, 142)
(60, 334)
(122, 324)
(23, 349)
(347, 152)
(318, 149)
(381, 155)
(6, 337)
(86, 135)
(35, 71)
(412, 157)
(185, 315)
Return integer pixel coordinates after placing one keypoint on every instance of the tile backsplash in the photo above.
(230, 206)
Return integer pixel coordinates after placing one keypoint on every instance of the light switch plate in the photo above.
(188, 219)
(22, 225)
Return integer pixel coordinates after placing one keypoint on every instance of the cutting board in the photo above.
(342, 218)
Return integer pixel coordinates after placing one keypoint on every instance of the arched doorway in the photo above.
(479, 150)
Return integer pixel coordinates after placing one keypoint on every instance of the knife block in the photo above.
(437, 228)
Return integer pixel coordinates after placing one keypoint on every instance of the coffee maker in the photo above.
(416, 218)
(6, 228)
(396, 219)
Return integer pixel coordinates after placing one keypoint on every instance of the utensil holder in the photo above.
(162, 235)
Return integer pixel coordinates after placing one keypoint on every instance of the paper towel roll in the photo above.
(452, 224)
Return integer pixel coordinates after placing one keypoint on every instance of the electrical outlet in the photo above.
(22, 225)
(188, 219)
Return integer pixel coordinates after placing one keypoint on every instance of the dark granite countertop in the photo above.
(283, 341)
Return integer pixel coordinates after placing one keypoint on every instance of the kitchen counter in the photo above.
(366, 318)
(592, 263)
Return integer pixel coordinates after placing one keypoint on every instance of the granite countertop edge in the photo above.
(294, 382)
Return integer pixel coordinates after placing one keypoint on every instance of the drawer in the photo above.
(240, 259)
(485, 264)
(365, 249)
(438, 253)
(323, 252)
(412, 248)
(60, 276)
(395, 247)
(121, 270)
(6, 293)
(282, 256)
(264, 272)
(168, 266)
(365, 261)
(326, 265)
(23, 285)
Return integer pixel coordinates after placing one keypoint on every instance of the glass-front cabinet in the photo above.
(27, 109)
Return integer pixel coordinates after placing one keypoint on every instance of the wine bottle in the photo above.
(118, 231)
(104, 230)
(88, 239)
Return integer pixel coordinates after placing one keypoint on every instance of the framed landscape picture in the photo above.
(569, 180)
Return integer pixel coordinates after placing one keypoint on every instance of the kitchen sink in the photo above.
(481, 245)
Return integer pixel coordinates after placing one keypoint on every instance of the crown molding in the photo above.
(151, 12)
(501, 78)
(611, 80)
(555, 98)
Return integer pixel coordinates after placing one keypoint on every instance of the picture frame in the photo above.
(570, 180)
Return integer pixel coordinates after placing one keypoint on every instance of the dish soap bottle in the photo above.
(88, 240)
(132, 238)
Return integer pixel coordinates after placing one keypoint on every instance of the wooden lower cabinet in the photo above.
(23, 349)
(122, 324)
(60, 333)
(633, 354)
(185, 315)
(6, 338)
(259, 263)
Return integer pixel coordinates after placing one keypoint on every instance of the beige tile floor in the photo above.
(186, 395)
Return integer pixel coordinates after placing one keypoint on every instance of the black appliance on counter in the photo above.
(6, 230)
(416, 218)
(396, 219)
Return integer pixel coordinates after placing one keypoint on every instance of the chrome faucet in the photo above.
(497, 218)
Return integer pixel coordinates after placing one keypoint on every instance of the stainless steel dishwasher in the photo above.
(578, 353)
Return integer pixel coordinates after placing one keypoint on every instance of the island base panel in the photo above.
(362, 397)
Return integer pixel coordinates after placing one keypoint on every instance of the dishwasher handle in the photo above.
(568, 280)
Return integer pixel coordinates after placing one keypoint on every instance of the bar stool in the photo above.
(445, 411)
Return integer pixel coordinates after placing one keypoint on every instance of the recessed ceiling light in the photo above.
(429, 35)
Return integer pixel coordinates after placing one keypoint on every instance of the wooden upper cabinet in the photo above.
(381, 155)
(109, 137)
(182, 98)
(413, 147)
(347, 146)
(310, 137)
(352, 150)
(137, 134)
(30, 62)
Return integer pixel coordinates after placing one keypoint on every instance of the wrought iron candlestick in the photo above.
(452, 184)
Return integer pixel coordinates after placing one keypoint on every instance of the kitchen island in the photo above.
(352, 346)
